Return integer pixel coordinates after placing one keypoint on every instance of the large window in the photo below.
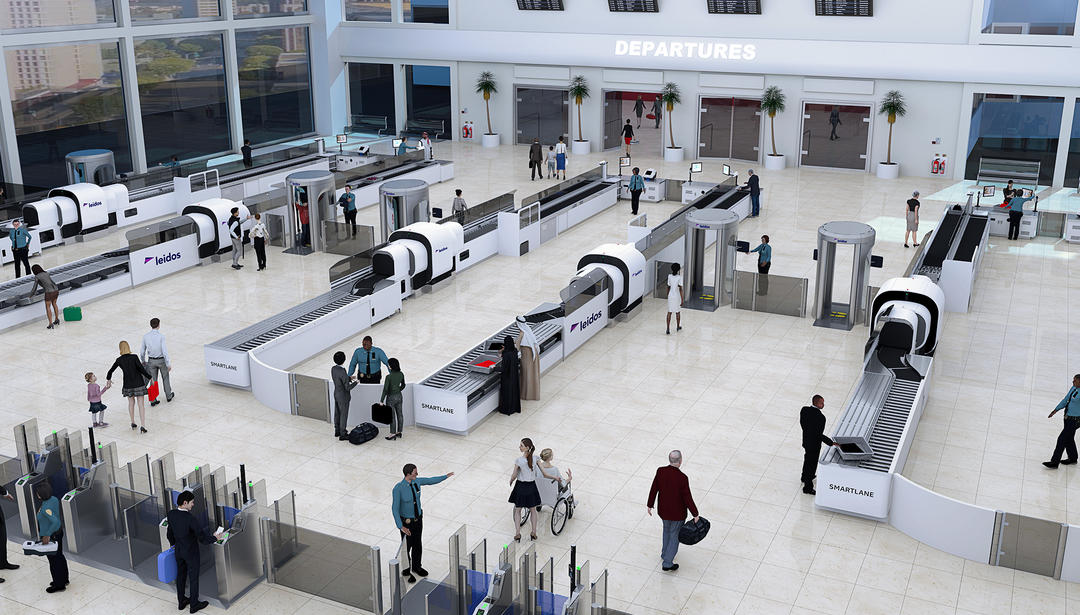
(182, 94)
(368, 10)
(427, 95)
(275, 83)
(1053, 17)
(425, 11)
(371, 97)
(150, 10)
(1072, 163)
(268, 8)
(17, 14)
(66, 98)
(1015, 127)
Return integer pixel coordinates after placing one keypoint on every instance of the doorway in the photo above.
(620, 106)
(730, 127)
(835, 136)
(542, 113)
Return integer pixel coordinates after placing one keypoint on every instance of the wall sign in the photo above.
(844, 8)
(734, 7)
(701, 50)
(584, 322)
(540, 5)
(634, 6)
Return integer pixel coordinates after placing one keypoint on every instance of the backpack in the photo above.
(362, 433)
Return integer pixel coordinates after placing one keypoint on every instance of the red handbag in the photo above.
(153, 390)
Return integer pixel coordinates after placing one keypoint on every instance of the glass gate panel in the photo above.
(714, 138)
(746, 129)
(1030, 544)
(835, 135)
(543, 114)
(612, 119)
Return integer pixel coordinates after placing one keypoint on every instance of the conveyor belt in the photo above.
(939, 248)
(971, 239)
(720, 197)
(75, 274)
(571, 196)
(390, 174)
(889, 426)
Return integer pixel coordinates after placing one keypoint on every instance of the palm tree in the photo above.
(670, 96)
(772, 102)
(893, 106)
(579, 91)
(485, 84)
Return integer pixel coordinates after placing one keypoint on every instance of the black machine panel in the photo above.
(634, 6)
(734, 7)
(972, 237)
(540, 5)
(939, 247)
(844, 8)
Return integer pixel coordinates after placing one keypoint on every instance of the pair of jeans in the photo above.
(237, 246)
(670, 545)
(1066, 440)
(397, 419)
(755, 204)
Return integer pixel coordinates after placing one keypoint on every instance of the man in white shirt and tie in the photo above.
(155, 356)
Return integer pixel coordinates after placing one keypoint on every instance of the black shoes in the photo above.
(198, 606)
(9, 567)
(420, 571)
(142, 430)
(1051, 464)
(1067, 462)
(906, 246)
(673, 568)
(134, 426)
(155, 402)
(343, 437)
(170, 398)
(808, 489)
(409, 575)
(52, 589)
(183, 604)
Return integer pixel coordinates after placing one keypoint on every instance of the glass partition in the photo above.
(371, 95)
(275, 83)
(1042, 17)
(342, 238)
(16, 15)
(1072, 160)
(324, 565)
(368, 10)
(774, 294)
(66, 98)
(1014, 127)
(136, 475)
(159, 232)
(599, 592)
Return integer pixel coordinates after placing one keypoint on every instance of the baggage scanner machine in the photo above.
(876, 429)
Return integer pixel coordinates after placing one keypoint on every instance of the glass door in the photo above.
(730, 128)
(427, 99)
(746, 129)
(835, 135)
(543, 114)
(612, 119)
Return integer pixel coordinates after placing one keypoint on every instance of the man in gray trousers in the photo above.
(155, 356)
(343, 386)
(673, 487)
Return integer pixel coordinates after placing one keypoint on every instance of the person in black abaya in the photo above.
(510, 381)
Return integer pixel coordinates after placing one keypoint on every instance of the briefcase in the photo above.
(31, 547)
(382, 413)
(166, 565)
(72, 313)
(692, 533)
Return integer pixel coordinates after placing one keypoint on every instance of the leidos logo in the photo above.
(161, 260)
(636, 273)
(585, 323)
(94, 204)
(441, 250)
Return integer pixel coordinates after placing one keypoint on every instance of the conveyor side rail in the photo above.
(576, 195)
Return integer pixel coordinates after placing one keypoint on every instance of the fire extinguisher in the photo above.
(934, 166)
(471, 133)
(941, 167)
(465, 130)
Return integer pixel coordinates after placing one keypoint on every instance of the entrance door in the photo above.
(612, 119)
(542, 114)
(835, 136)
(730, 128)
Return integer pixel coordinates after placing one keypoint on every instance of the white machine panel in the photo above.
(854, 490)
(440, 408)
(584, 323)
(165, 258)
(227, 366)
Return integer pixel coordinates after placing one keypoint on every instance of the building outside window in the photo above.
(20, 14)
(156, 10)
(275, 83)
(427, 91)
(368, 10)
(425, 11)
(1043, 17)
(1072, 162)
(268, 8)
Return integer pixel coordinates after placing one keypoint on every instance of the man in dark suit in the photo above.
(812, 422)
(4, 563)
(754, 184)
(185, 533)
(674, 489)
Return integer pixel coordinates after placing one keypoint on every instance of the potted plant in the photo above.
(772, 102)
(579, 91)
(485, 84)
(892, 106)
(671, 96)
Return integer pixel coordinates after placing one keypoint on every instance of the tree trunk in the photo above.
(487, 107)
(671, 131)
(888, 152)
(578, 102)
(772, 130)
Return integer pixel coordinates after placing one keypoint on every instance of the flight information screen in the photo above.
(634, 6)
(541, 5)
(735, 7)
(844, 8)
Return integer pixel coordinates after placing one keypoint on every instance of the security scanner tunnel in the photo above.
(953, 253)
(94, 166)
(720, 229)
(830, 310)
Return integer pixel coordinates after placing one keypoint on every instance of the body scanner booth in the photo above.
(402, 202)
(94, 166)
(719, 227)
(829, 312)
(311, 196)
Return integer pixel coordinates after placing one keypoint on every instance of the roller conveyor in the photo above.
(69, 276)
(941, 245)
(889, 424)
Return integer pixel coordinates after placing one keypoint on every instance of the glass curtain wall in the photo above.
(1042, 17)
(368, 10)
(275, 83)
(20, 14)
(425, 11)
(1013, 127)
(1072, 162)
(267, 8)
(427, 96)
(182, 95)
(156, 10)
(371, 96)
(66, 98)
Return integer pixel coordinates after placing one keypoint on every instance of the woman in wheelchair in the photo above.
(545, 462)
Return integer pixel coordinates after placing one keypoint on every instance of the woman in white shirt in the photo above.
(260, 234)
(560, 158)
(674, 298)
(525, 493)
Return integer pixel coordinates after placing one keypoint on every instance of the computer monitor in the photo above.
(1026, 192)
(727, 169)
(397, 143)
(989, 191)
(343, 138)
(624, 161)
(695, 167)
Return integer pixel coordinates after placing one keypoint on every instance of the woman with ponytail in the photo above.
(525, 494)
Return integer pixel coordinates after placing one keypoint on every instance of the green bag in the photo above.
(72, 313)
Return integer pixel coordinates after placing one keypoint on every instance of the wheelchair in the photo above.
(559, 499)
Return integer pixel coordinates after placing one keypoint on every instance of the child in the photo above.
(551, 161)
(93, 395)
(545, 462)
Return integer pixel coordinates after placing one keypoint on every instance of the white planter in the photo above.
(580, 147)
(775, 163)
(487, 140)
(673, 154)
(888, 171)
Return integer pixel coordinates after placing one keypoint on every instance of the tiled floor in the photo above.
(725, 391)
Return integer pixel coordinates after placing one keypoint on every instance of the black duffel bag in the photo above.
(362, 433)
(692, 533)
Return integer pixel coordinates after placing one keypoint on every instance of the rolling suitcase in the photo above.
(72, 313)
(166, 565)
(381, 413)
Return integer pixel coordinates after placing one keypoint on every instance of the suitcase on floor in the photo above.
(363, 433)
(72, 313)
(692, 533)
(166, 565)
(382, 413)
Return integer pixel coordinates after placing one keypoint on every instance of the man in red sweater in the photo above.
(675, 499)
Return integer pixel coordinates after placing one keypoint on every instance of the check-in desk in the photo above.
(999, 223)
(1072, 229)
(691, 191)
(654, 190)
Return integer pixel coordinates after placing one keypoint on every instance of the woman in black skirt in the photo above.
(510, 381)
(135, 380)
(525, 493)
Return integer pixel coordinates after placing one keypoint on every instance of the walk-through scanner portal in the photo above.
(91, 166)
(401, 203)
(830, 313)
(705, 226)
(312, 201)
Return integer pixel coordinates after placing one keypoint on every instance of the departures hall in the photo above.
(467, 307)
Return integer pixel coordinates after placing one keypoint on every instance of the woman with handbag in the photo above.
(135, 380)
(391, 396)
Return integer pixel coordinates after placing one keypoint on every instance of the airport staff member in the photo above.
(764, 263)
(236, 235)
(1016, 212)
(343, 386)
(403, 146)
(50, 528)
(4, 563)
(673, 487)
(245, 151)
(636, 187)
(409, 516)
(347, 202)
(752, 182)
(20, 246)
(184, 533)
(812, 422)
(367, 361)
(425, 144)
(1066, 441)
(155, 356)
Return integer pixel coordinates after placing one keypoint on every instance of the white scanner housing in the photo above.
(626, 268)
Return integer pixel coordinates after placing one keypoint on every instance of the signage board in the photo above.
(584, 322)
(163, 259)
(540, 5)
(227, 366)
(634, 6)
(844, 8)
(734, 7)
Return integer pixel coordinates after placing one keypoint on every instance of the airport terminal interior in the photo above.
(911, 169)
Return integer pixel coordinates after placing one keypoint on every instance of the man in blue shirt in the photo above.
(753, 184)
(409, 516)
(637, 185)
(1066, 441)
(764, 262)
(20, 246)
(347, 201)
(1016, 213)
(367, 361)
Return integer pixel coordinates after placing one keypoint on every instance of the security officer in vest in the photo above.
(409, 515)
(20, 246)
(1066, 441)
(185, 533)
(367, 361)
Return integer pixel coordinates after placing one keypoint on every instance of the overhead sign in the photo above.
(584, 322)
(702, 50)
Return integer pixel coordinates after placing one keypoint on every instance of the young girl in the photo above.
(551, 162)
(93, 395)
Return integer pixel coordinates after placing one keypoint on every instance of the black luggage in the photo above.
(692, 533)
(362, 433)
(381, 413)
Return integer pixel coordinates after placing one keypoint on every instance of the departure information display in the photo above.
(634, 6)
(735, 7)
(541, 5)
(844, 8)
